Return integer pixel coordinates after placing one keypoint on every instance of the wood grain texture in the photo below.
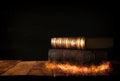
(7, 64)
(21, 68)
(37, 68)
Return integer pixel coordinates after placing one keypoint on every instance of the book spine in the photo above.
(76, 56)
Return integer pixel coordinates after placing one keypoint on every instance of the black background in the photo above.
(26, 29)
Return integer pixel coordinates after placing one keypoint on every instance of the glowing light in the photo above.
(78, 43)
(82, 42)
(53, 42)
(64, 42)
(79, 70)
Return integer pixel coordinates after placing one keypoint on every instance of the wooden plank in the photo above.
(21, 68)
(39, 69)
(7, 64)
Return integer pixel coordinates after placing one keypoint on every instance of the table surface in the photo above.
(36, 68)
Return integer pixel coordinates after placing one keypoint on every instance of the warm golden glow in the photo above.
(82, 42)
(59, 43)
(79, 70)
(78, 43)
(53, 42)
(64, 42)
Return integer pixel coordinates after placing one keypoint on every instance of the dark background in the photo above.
(26, 29)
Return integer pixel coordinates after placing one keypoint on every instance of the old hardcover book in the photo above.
(77, 56)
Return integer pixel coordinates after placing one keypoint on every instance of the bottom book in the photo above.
(77, 56)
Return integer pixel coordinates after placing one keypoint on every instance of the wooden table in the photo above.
(36, 68)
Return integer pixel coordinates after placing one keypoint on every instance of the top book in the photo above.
(81, 42)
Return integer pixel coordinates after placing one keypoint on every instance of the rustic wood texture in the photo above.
(36, 68)
(39, 69)
(21, 68)
(7, 64)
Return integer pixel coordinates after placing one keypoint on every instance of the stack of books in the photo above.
(79, 50)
